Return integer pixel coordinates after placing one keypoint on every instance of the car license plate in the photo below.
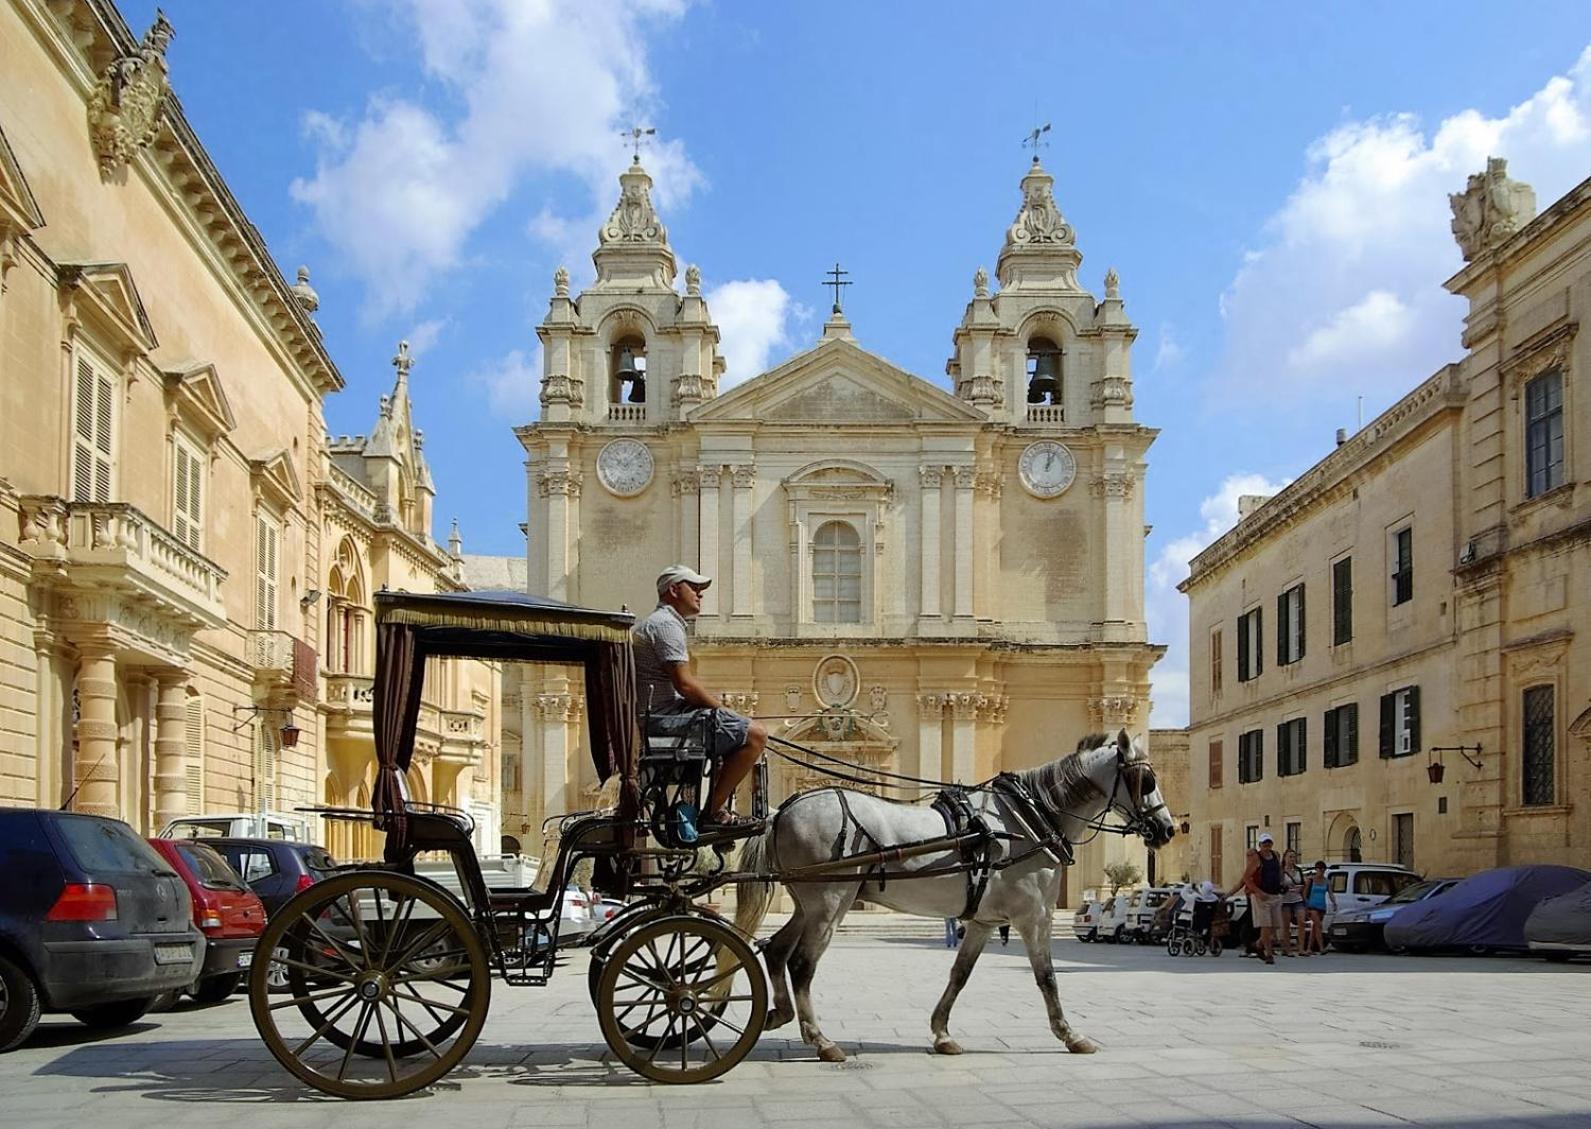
(245, 958)
(173, 954)
(1339, 930)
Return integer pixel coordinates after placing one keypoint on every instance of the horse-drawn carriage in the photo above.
(389, 976)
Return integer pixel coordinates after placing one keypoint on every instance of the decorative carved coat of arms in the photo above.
(1491, 208)
(124, 109)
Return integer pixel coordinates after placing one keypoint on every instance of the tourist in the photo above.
(1293, 905)
(1316, 894)
(1262, 883)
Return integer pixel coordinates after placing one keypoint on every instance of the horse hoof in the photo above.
(777, 1020)
(830, 1052)
(947, 1046)
(1081, 1047)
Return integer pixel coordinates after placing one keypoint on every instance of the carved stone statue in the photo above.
(980, 283)
(1491, 208)
(1112, 284)
(633, 219)
(693, 281)
(1039, 220)
(560, 282)
(124, 109)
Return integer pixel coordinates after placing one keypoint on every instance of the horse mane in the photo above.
(1092, 741)
(1064, 783)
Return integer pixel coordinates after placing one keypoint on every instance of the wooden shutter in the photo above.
(1242, 649)
(1216, 757)
(93, 442)
(1298, 627)
(1412, 706)
(1258, 650)
(188, 489)
(1328, 755)
(266, 546)
(1215, 855)
(1301, 745)
(1216, 648)
(1348, 751)
(266, 767)
(1284, 753)
(194, 753)
(1388, 728)
(1283, 628)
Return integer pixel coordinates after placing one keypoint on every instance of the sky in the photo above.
(1269, 181)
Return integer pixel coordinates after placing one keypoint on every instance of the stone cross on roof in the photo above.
(834, 278)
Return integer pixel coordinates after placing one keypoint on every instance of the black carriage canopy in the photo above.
(505, 626)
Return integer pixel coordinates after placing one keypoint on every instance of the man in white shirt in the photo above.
(674, 701)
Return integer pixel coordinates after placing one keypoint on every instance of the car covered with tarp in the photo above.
(1486, 912)
(1559, 928)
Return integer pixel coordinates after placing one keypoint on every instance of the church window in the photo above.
(1044, 371)
(1544, 434)
(93, 430)
(836, 574)
(628, 371)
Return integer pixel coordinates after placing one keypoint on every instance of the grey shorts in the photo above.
(1267, 911)
(729, 729)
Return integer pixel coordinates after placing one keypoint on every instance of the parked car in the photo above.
(92, 922)
(229, 915)
(1360, 885)
(238, 825)
(1484, 913)
(1141, 917)
(1113, 919)
(1085, 922)
(275, 869)
(1359, 929)
(1560, 928)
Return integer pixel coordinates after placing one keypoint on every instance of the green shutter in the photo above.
(1348, 752)
(1302, 621)
(1281, 630)
(1414, 718)
(1329, 752)
(1388, 701)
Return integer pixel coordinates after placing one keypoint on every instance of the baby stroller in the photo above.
(1201, 929)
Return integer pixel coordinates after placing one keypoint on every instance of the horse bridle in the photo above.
(1134, 773)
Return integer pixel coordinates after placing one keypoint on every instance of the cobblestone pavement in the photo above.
(1339, 1041)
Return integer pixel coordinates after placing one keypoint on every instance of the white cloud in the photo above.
(1167, 608)
(1169, 352)
(512, 384)
(532, 87)
(753, 316)
(424, 335)
(1344, 292)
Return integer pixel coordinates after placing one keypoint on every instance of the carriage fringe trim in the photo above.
(514, 625)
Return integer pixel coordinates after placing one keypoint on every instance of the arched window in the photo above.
(1044, 371)
(345, 612)
(836, 574)
(627, 370)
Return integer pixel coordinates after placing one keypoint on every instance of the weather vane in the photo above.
(1036, 138)
(635, 133)
(833, 280)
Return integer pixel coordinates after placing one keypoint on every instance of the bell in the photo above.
(637, 388)
(626, 371)
(1044, 381)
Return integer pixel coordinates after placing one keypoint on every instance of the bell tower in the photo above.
(628, 351)
(1041, 353)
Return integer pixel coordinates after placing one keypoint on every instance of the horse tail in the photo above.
(753, 896)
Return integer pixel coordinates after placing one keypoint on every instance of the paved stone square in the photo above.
(1334, 1041)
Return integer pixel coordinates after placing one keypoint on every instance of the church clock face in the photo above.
(625, 467)
(1047, 469)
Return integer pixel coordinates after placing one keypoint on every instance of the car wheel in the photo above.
(1480, 951)
(276, 970)
(107, 1017)
(214, 989)
(19, 1005)
(1398, 950)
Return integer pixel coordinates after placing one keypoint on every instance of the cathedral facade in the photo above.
(940, 583)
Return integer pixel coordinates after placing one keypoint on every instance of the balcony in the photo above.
(109, 562)
(626, 413)
(349, 706)
(455, 736)
(1046, 413)
(282, 664)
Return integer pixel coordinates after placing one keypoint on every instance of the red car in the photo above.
(227, 912)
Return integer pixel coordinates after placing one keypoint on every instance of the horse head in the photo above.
(1136, 793)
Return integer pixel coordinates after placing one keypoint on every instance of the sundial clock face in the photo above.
(625, 467)
(1047, 469)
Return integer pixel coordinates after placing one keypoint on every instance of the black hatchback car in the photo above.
(275, 869)
(92, 922)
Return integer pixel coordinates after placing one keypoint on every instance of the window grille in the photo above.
(1540, 754)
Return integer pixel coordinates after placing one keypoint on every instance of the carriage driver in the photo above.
(674, 700)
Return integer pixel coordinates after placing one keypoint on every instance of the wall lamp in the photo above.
(287, 732)
(1436, 770)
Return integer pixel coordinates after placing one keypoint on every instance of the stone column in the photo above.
(931, 477)
(966, 480)
(964, 708)
(47, 705)
(708, 565)
(96, 773)
(930, 735)
(687, 486)
(554, 710)
(171, 762)
(560, 486)
(745, 477)
(1115, 488)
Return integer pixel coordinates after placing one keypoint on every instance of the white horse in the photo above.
(1072, 796)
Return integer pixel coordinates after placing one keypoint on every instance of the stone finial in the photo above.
(560, 282)
(693, 281)
(1112, 284)
(455, 542)
(1491, 208)
(633, 219)
(124, 108)
(980, 283)
(305, 293)
(1039, 220)
(402, 361)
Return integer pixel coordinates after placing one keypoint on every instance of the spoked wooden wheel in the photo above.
(387, 985)
(682, 999)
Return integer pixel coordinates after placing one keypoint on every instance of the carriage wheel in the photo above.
(682, 999)
(387, 985)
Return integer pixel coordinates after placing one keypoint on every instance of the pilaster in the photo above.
(745, 480)
(171, 769)
(708, 566)
(95, 770)
(965, 541)
(932, 477)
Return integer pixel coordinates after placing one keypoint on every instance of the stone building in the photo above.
(170, 514)
(1428, 702)
(941, 583)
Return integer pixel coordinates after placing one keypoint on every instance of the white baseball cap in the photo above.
(678, 574)
(1265, 837)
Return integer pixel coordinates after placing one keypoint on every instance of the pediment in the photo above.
(837, 382)
(107, 293)
(16, 198)
(275, 479)
(199, 395)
